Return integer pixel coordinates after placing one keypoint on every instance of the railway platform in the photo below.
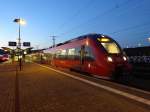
(40, 88)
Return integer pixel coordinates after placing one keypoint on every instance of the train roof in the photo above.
(92, 35)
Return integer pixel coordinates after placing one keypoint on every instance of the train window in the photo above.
(57, 54)
(111, 47)
(71, 53)
(89, 54)
(48, 56)
(63, 54)
(77, 53)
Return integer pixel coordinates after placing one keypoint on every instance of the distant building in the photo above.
(138, 51)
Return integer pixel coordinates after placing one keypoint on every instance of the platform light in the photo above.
(20, 21)
(25, 52)
(148, 39)
(20, 57)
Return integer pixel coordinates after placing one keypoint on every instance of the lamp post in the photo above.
(20, 22)
(148, 39)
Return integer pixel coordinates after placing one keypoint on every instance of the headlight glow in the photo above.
(109, 59)
(124, 58)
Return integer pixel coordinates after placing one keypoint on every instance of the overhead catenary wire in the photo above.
(77, 13)
(97, 16)
(120, 6)
(72, 18)
(136, 5)
(130, 28)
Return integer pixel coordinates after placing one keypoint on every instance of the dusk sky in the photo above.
(126, 21)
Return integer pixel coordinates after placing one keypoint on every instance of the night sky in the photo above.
(126, 21)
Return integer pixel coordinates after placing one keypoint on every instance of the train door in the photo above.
(87, 59)
(82, 55)
(83, 58)
(79, 58)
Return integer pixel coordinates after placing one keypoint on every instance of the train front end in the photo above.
(115, 62)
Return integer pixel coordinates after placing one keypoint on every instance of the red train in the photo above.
(96, 54)
(3, 56)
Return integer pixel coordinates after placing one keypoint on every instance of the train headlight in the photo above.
(109, 59)
(124, 58)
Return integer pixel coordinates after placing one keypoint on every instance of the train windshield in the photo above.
(110, 46)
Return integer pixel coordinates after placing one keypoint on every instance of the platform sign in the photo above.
(26, 44)
(12, 43)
